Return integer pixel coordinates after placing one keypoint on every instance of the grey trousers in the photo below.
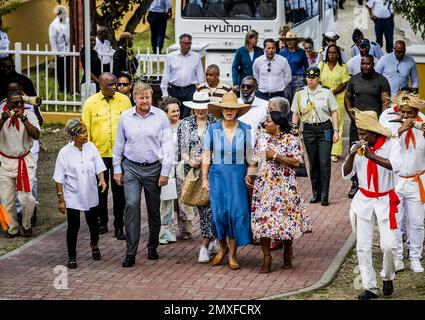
(136, 177)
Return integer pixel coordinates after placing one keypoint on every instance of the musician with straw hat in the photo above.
(228, 143)
(374, 159)
(410, 179)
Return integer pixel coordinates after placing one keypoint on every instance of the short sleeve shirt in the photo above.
(367, 92)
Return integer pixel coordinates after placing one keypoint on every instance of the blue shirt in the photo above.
(144, 139)
(297, 60)
(160, 6)
(398, 72)
(375, 50)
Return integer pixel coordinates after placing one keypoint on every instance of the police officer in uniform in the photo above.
(316, 107)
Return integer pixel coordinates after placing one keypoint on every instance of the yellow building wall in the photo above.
(30, 23)
(421, 72)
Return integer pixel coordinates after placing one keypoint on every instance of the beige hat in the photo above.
(291, 35)
(368, 120)
(405, 98)
(229, 100)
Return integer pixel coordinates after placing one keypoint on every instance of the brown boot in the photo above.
(267, 260)
(287, 254)
(233, 264)
(218, 259)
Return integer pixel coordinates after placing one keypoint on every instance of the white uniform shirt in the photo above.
(413, 159)
(76, 170)
(59, 35)
(277, 78)
(354, 64)
(364, 206)
(103, 48)
(256, 115)
(4, 43)
(380, 9)
(182, 70)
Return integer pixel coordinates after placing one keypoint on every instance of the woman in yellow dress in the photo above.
(334, 75)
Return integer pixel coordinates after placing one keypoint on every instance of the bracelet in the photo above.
(24, 118)
(59, 193)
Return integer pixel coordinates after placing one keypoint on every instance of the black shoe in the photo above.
(27, 233)
(103, 228)
(95, 253)
(387, 288)
(119, 234)
(152, 254)
(353, 190)
(367, 295)
(12, 235)
(324, 203)
(315, 199)
(34, 218)
(72, 263)
(129, 261)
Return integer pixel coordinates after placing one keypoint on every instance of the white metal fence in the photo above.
(41, 66)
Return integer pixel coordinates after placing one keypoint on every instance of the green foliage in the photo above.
(6, 7)
(413, 11)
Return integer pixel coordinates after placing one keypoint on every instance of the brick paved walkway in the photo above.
(29, 272)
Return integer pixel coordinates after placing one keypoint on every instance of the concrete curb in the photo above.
(329, 274)
(32, 242)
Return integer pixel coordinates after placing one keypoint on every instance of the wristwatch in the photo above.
(24, 118)
(336, 130)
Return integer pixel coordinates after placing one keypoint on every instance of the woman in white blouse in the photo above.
(77, 165)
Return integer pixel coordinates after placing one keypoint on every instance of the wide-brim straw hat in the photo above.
(229, 100)
(290, 35)
(368, 120)
(199, 101)
(405, 98)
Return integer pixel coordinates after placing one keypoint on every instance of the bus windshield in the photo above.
(229, 10)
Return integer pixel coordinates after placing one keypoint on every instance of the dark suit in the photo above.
(242, 64)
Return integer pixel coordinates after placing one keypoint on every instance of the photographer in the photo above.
(18, 130)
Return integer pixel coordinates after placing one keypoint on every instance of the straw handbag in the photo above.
(192, 192)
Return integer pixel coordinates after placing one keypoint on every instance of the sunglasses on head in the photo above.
(124, 84)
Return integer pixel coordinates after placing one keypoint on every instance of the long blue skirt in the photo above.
(229, 203)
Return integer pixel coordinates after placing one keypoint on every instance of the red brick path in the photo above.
(29, 273)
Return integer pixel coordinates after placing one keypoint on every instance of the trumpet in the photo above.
(416, 124)
(361, 150)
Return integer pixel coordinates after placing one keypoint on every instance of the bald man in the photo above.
(100, 114)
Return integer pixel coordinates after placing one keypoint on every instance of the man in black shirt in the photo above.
(367, 90)
(7, 72)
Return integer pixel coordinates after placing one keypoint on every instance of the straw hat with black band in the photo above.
(229, 101)
(405, 98)
(368, 120)
(290, 35)
(199, 101)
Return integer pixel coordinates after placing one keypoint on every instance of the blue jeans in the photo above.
(385, 27)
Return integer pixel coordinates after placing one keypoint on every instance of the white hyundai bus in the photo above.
(223, 24)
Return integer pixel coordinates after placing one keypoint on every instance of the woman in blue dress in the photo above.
(227, 146)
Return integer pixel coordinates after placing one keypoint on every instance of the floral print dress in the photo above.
(278, 210)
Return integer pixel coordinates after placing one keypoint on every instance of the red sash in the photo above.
(372, 167)
(394, 202)
(22, 178)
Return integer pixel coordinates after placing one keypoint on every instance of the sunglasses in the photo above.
(18, 103)
(269, 67)
(248, 86)
(210, 74)
(123, 84)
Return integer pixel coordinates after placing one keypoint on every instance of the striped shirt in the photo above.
(216, 94)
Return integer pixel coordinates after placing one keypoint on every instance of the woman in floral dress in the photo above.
(278, 209)
(174, 212)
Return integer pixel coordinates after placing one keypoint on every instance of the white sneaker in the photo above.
(203, 255)
(415, 266)
(399, 265)
(212, 248)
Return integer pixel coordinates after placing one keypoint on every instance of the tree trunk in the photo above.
(136, 17)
